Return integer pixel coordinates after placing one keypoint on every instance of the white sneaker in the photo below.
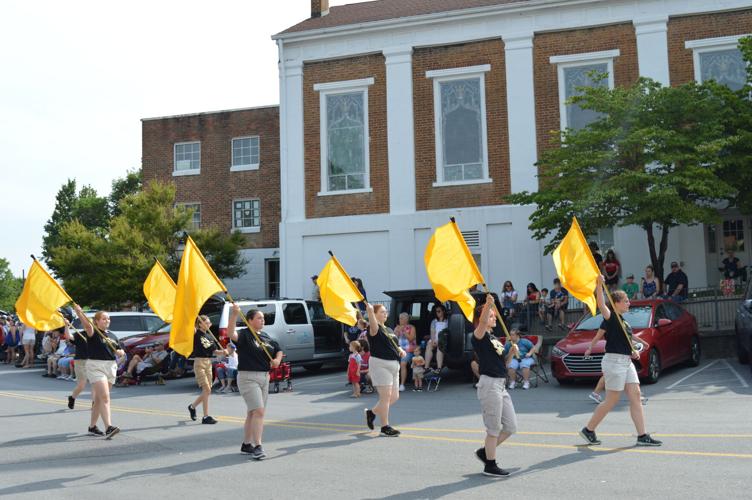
(512, 384)
(595, 397)
(526, 385)
(402, 388)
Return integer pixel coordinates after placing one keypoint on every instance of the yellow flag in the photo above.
(451, 268)
(196, 283)
(159, 290)
(576, 267)
(38, 304)
(338, 292)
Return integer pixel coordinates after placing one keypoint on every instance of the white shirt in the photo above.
(436, 327)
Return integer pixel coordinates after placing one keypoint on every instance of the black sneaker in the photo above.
(258, 453)
(646, 440)
(94, 431)
(589, 436)
(246, 448)
(208, 420)
(192, 412)
(71, 402)
(389, 431)
(481, 454)
(111, 431)
(370, 417)
(493, 470)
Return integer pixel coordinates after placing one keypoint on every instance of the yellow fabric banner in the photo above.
(38, 304)
(576, 266)
(159, 290)
(451, 268)
(196, 283)
(338, 292)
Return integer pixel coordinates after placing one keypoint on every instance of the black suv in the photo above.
(419, 305)
(743, 326)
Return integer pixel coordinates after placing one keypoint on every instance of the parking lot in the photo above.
(319, 447)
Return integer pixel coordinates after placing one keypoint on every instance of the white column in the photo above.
(518, 50)
(652, 48)
(291, 156)
(400, 129)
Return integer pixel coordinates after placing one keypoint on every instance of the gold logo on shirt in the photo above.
(498, 346)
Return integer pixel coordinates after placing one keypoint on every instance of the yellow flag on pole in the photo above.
(38, 304)
(159, 290)
(451, 268)
(576, 267)
(338, 292)
(196, 284)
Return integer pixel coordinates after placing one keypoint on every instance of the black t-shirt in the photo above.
(81, 341)
(204, 345)
(616, 342)
(102, 349)
(251, 355)
(673, 280)
(384, 344)
(490, 354)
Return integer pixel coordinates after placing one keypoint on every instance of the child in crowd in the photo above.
(418, 367)
(353, 367)
(227, 372)
(363, 328)
(365, 356)
(543, 305)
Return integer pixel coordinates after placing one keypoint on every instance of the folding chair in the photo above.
(538, 370)
(432, 378)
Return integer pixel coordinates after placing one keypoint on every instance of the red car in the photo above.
(667, 329)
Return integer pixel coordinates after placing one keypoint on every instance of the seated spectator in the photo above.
(612, 270)
(153, 356)
(649, 285)
(676, 284)
(53, 358)
(532, 299)
(176, 366)
(559, 303)
(630, 287)
(438, 324)
(544, 303)
(228, 371)
(508, 301)
(64, 363)
(523, 362)
(49, 344)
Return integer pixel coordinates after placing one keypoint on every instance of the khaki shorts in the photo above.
(79, 366)
(496, 406)
(254, 387)
(618, 370)
(98, 370)
(202, 370)
(384, 373)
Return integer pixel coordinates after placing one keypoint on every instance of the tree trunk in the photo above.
(657, 259)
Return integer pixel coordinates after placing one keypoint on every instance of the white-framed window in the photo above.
(719, 59)
(245, 153)
(196, 215)
(187, 158)
(345, 162)
(459, 103)
(574, 71)
(246, 215)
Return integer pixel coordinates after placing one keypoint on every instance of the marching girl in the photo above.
(255, 359)
(384, 367)
(101, 368)
(205, 348)
(499, 416)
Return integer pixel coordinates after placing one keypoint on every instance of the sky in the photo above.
(77, 76)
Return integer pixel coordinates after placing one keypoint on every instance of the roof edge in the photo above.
(185, 115)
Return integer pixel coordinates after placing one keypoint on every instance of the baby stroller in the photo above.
(283, 373)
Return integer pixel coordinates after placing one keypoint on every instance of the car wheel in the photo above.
(565, 381)
(654, 366)
(694, 352)
(314, 367)
(741, 352)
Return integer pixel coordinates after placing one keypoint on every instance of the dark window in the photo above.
(294, 313)
(673, 312)
(126, 324)
(316, 311)
(152, 322)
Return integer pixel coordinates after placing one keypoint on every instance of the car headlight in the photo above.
(559, 353)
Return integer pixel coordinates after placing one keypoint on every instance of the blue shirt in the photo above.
(524, 346)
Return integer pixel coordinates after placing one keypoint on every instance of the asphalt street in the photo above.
(319, 447)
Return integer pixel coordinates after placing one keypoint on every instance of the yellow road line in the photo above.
(353, 429)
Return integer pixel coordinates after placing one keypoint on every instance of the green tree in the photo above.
(122, 187)
(650, 160)
(10, 287)
(65, 201)
(108, 270)
(92, 210)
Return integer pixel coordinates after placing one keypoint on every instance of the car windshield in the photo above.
(637, 317)
(164, 328)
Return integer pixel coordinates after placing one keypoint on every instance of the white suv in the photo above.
(123, 324)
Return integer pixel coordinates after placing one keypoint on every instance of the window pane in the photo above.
(724, 66)
(345, 125)
(461, 126)
(294, 313)
(474, 171)
(733, 235)
(247, 213)
(578, 76)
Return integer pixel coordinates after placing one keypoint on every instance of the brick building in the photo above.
(397, 114)
(225, 166)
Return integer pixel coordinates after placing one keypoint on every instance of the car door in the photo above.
(682, 330)
(666, 339)
(297, 331)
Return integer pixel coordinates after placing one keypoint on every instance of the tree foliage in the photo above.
(651, 159)
(108, 270)
(10, 287)
(122, 187)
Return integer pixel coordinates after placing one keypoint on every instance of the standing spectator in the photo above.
(559, 304)
(508, 300)
(359, 285)
(630, 287)
(365, 357)
(544, 303)
(612, 268)
(316, 293)
(407, 339)
(649, 285)
(353, 367)
(596, 255)
(676, 284)
(438, 323)
(29, 340)
(418, 367)
(732, 267)
(530, 304)
(12, 340)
